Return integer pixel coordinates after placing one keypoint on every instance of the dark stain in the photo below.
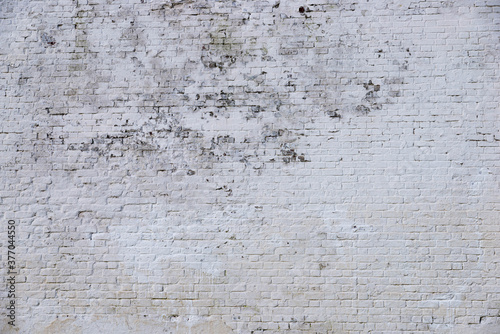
(288, 52)
(166, 6)
(273, 135)
(254, 112)
(370, 97)
(191, 172)
(22, 80)
(370, 86)
(405, 65)
(334, 114)
(221, 62)
(48, 40)
(225, 100)
(362, 109)
(225, 139)
(181, 132)
(290, 155)
(255, 109)
(394, 81)
(226, 189)
(303, 9)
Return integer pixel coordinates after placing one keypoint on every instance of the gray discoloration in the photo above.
(48, 39)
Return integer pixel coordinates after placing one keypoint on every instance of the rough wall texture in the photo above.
(322, 166)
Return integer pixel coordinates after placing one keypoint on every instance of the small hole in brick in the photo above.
(302, 9)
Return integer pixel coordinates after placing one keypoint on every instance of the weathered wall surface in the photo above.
(248, 166)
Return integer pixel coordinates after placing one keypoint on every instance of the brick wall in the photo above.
(251, 166)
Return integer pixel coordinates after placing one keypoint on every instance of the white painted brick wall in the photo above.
(251, 166)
